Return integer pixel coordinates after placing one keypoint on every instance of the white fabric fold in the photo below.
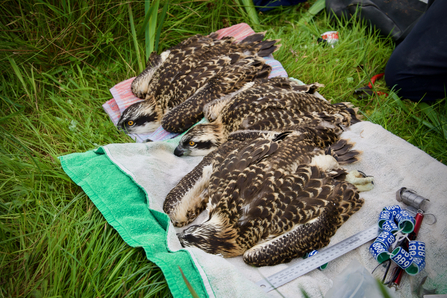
(392, 161)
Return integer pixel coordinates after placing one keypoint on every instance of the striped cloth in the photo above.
(123, 96)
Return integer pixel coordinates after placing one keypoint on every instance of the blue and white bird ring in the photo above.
(379, 252)
(405, 221)
(383, 216)
(416, 249)
(417, 266)
(386, 238)
(401, 257)
(393, 209)
(390, 226)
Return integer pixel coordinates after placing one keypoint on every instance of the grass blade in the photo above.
(148, 8)
(18, 74)
(438, 120)
(135, 41)
(411, 113)
(318, 6)
(190, 288)
(150, 30)
(251, 11)
(160, 25)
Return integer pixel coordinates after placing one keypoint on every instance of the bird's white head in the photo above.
(212, 236)
(141, 117)
(200, 140)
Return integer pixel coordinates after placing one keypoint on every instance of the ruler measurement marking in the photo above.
(325, 255)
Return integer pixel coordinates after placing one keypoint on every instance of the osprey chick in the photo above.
(196, 70)
(271, 198)
(268, 105)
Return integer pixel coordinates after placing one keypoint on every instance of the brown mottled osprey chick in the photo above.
(271, 104)
(270, 198)
(191, 74)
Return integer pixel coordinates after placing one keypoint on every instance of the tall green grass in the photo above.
(58, 61)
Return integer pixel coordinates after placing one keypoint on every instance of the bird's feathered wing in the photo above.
(280, 107)
(312, 216)
(142, 84)
(229, 78)
(190, 196)
(186, 56)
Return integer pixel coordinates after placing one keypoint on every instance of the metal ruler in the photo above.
(325, 255)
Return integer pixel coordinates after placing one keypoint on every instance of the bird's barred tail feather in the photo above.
(257, 37)
(354, 115)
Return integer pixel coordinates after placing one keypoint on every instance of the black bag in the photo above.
(391, 17)
(266, 5)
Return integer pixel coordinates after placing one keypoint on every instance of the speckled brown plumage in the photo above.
(228, 79)
(286, 103)
(196, 183)
(273, 197)
(176, 74)
(268, 105)
(169, 61)
(183, 60)
(190, 197)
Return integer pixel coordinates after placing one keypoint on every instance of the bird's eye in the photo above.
(191, 143)
(130, 123)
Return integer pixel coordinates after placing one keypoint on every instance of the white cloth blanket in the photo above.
(393, 162)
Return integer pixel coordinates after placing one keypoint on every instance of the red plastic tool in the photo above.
(418, 221)
(367, 90)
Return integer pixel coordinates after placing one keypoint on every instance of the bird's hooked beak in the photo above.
(179, 151)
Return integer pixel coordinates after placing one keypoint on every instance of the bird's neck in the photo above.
(219, 133)
(150, 108)
(224, 238)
